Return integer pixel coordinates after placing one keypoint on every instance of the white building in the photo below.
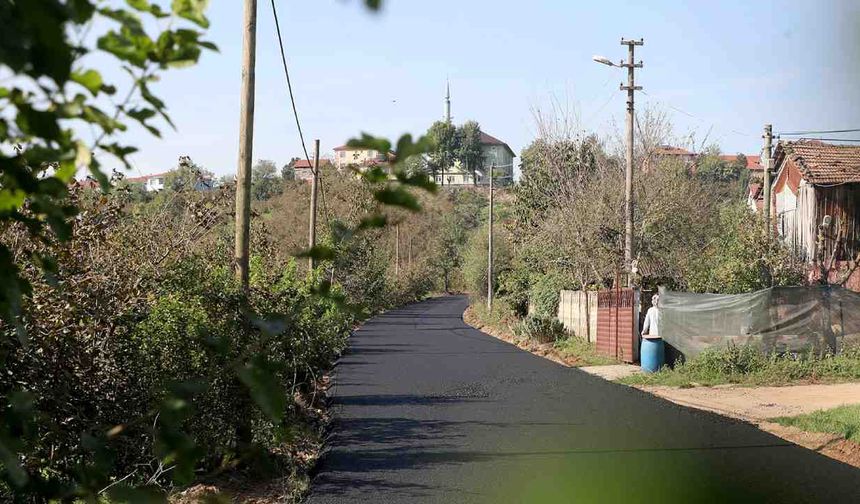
(345, 156)
(150, 183)
(495, 153)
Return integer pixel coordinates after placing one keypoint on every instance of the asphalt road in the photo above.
(428, 409)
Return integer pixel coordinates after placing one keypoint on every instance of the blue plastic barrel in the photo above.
(652, 354)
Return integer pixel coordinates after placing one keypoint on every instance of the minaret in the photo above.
(447, 101)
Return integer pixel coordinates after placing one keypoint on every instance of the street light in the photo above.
(604, 60)
(628, 172)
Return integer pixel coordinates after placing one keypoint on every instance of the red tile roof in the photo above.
(822, 163)
(144, 178)
(305, 164)
(753, 161)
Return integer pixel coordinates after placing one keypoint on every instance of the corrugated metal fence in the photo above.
(618, 324)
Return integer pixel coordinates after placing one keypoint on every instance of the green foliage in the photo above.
(743, 256)
(545, 293)
(265, 180)
(729, 179)
(188, 176)
(452, 144)
(580, 352)
(445, 143)
(541, 329)
(54, 96)
(747, 365)
(453, 232)
(143, 354)
(551, 170)
(475, 261)
(843, 420)
(469, 151)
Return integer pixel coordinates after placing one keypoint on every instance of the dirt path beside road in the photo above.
(760, 404)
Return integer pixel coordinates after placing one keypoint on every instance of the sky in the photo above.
(721, 70)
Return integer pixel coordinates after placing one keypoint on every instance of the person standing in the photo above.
(650, 329)
(651, 349)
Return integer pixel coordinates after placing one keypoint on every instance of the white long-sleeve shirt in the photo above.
(652, 321)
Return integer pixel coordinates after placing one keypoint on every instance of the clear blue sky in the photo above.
(734, 65)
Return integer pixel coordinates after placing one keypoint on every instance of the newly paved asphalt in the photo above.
(428, 409)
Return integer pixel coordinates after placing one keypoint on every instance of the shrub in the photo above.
(475, 261)
(748, 365)
(544, 294)
(541, 328)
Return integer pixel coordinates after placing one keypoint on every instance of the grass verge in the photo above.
(747, 366)
(843, 421)
(583, 352)
(501, 323)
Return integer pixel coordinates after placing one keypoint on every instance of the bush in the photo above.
(475, 261)
(541, 328)
(748, 365)
(145, 329)
(544, 294)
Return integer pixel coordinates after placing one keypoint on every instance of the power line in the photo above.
(835, 139)
(821, 132)
(295, 110)
(676, 109)
(289, 83)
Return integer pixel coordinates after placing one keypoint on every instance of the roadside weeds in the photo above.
(570, 352)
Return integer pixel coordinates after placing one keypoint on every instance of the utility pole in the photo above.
(312, 227)
(767, 151)
(246, 142)
(631, 88)
(490, 246)
(397, 250)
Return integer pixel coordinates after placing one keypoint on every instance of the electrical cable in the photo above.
(821, 132)
(676, 109)
(295, 110)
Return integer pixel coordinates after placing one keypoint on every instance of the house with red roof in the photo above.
(303, 169)
(816, 204)
(154, 182)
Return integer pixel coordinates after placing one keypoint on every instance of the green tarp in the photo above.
(780, 319)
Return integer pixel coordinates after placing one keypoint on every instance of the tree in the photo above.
(729, 178)
(743, 256)
(288, 171)
(265, 180)
(445, 145)
(188, 176)
(55, 95)
(469, 151)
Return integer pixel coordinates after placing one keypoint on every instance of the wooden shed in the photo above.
(818, 184)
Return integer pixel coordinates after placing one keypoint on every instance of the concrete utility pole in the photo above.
(246, 142)
(631, 88)
(767, 153)
(312, 226)
(490, 246)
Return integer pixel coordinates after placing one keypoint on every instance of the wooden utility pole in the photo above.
(246, 142)
(631, 88)
(397, 250)
(767, 152)
(490, 246)
(312, 226)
